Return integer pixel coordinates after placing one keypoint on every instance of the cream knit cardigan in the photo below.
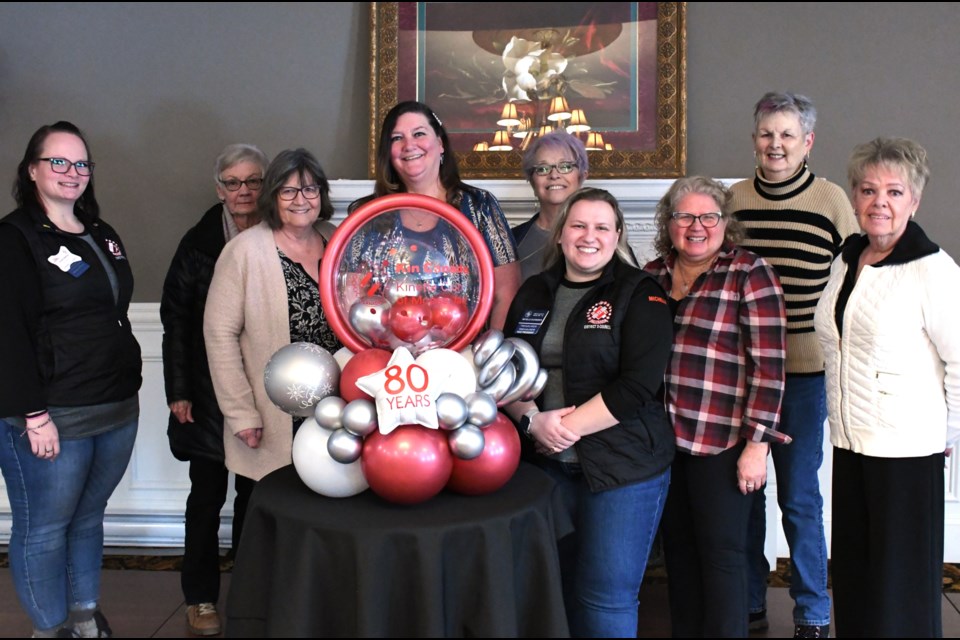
(245, 322)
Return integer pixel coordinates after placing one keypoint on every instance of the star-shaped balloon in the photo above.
(405, 392)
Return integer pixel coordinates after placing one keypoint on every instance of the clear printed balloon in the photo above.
(400, 285)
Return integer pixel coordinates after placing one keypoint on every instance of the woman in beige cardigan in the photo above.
(263, 296)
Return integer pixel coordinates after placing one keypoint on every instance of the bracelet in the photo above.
(35, 414)
(35, 427)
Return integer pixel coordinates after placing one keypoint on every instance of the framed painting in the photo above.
(499, 74)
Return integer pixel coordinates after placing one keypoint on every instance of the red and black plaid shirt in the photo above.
(725, 378)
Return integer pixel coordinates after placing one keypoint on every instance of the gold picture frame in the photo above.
(627, 61)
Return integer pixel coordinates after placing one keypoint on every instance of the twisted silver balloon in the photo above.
(509, 369)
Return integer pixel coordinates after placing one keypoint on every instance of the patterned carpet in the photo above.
(655, 573)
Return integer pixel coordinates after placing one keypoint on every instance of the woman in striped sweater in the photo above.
(797, 222)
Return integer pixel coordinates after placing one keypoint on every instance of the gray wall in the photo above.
(160, 88)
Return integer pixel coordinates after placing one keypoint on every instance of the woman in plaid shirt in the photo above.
(723, 388)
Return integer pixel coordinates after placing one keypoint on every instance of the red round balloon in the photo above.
(494, 467)
(448, 314)
(411, 464)
(361, 364)
(409, 319)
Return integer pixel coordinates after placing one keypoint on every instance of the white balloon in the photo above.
(342, 356)
(460, 373)
(318, 470)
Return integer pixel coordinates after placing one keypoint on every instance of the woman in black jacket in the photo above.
(603, 331)
(195, 428)
(68, 382)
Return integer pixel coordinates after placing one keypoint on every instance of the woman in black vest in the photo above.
(603, 332)
(68, 383)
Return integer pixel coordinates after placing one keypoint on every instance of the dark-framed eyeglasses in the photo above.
(62, 165)
(233, 184)
(310, 192)
(561, 167)
(707, 220)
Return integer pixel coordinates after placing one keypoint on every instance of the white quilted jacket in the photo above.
(893, 381)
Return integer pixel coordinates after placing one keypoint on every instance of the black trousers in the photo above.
(200, 575)
(887, 546)
(704, 541)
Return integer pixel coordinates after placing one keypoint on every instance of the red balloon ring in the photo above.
(344, 233)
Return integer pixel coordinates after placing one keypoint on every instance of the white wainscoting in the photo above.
(147, 508)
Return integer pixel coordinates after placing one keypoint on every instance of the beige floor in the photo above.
(148, 604)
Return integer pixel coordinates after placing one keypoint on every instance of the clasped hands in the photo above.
(549, 433)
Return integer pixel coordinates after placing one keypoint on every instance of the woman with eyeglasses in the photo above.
(68, 383)
(556, 166)
(264, 295)
(195, 427)
(723, 388)
(414, 155)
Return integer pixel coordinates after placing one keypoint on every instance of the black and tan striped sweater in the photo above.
(798, 225)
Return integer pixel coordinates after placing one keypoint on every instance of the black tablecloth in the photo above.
(453, 566)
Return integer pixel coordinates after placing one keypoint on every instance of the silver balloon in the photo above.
(537, 387)
(360, 417)
(344, 447)
(368, 317)
(451, 411)
(298, 376)
(502, 383)
(328, 411)
(466, 442)
(528, 366)
(481, 409)
(492, 367)
(485, 345)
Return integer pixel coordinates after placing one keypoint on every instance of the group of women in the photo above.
(667, 386)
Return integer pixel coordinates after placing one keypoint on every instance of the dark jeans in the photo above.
(200, 575)
(798, 494)
(704, 539)
(887, 546)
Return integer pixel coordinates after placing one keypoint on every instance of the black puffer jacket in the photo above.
(616, 343)
(186, 373)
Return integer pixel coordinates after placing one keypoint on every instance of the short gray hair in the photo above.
(733, 232)
(234, 154)
(787, 102)
(558, 139)
(900, 154)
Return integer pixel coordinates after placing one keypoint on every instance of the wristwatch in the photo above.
(526, 421)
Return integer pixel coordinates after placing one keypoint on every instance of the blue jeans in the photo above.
(798, 493)
(56, 543)
(603, 562)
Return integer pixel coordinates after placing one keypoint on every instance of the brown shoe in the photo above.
(202, 619)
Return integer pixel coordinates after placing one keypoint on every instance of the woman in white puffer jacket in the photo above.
(887, 323)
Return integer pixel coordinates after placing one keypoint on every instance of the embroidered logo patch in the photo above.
(600, 313)
(114, 249)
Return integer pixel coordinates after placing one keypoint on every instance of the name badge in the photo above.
(69, 262)
(530, 323)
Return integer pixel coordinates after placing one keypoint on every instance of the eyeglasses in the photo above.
(310, 192)
(62, 165)
(233, 184)
(708, 220)
(561, 167)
